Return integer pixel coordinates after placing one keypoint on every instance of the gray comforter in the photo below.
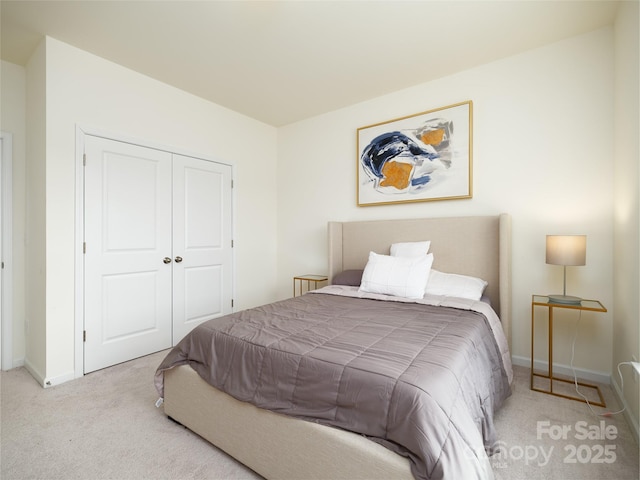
(422, 380)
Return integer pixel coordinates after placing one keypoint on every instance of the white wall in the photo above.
(12, 120)
(542, 151)
(626, 332)
(83, 89)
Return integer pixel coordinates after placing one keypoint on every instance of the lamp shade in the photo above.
(566, 249)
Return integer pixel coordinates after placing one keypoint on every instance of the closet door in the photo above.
(127, 219)
(202, 236)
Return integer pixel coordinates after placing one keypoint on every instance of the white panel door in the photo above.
(127, 219)
(202, 236)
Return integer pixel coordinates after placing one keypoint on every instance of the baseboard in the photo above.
(628, 414)
(47, 382)
(565, 370)
(53, 381)
(34, 372)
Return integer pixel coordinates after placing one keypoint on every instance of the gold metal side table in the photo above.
(298, 282)
(584, 305)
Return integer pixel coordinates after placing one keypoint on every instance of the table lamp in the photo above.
(566, 250)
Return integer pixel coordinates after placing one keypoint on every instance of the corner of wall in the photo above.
(626, 150)
(35, 170)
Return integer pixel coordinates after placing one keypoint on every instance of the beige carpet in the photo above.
(547, 437)
(105, 426)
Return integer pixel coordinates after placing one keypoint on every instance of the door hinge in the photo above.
(231, 183)
(232, 303)
(84, 247)
(84, 159)
(84, 335)
(231, 243)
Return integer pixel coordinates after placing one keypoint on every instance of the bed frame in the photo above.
(277, 446)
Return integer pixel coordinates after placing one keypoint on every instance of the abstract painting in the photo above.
(418, 158)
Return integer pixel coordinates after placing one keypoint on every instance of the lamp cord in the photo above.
(575, 376)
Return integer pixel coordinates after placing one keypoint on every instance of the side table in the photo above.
(584, 305)
(298, 282)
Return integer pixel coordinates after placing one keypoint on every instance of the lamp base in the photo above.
(564, 299)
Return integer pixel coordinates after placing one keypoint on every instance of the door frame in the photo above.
(81, 132)
(6, 252)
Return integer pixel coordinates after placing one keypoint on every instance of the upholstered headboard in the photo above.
(478, 246)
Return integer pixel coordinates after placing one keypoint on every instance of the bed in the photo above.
(297, 431)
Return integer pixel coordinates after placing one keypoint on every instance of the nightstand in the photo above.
(298, 282)
(584, 305)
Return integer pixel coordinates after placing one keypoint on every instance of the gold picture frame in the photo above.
(422, 157)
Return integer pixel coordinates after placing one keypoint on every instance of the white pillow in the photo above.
(410, 249)
(399, 276)
(454, 285)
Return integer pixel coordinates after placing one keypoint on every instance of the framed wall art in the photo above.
(418, 158)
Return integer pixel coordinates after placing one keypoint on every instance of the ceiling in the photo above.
(283, 61)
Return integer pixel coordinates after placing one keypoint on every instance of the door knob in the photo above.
(166, 260)
(178, 259)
